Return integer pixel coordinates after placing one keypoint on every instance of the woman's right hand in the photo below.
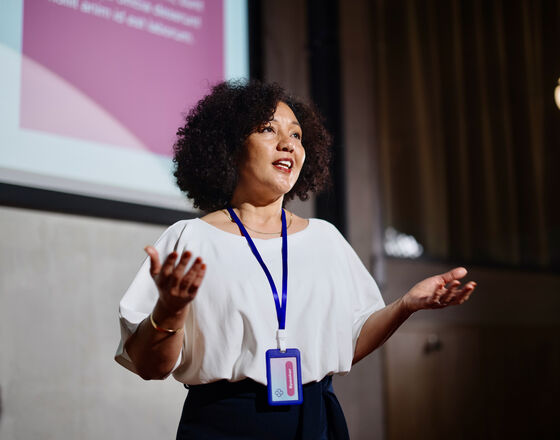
(176, 288)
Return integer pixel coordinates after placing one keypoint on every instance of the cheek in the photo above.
(251, 161)
(299, 172)
(302, 160)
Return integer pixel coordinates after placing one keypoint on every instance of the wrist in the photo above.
(406, 306)
(168, 319)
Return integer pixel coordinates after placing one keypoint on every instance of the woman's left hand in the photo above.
(439, 291)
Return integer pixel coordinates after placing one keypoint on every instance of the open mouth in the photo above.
(284, 165)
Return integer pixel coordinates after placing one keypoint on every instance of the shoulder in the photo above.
(325, 227)
(174, 232)
(324, 235)
(296, 222)
(329, 235)
(178, 227)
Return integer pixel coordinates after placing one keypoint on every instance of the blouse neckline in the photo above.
(235, 236)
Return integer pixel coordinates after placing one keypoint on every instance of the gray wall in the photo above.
(61, 278)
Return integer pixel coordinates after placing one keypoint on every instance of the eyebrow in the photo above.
(292, 122)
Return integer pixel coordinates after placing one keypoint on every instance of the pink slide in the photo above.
(120, 72)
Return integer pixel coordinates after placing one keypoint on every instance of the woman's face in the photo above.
(273, 156)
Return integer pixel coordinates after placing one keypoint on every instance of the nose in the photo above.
(285, 145)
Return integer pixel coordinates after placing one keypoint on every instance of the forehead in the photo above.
(284, 113)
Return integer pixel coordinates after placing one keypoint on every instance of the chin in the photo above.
(280, 192)
(284, 187)
(279, 189)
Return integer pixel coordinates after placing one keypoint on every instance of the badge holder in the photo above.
(283, 374)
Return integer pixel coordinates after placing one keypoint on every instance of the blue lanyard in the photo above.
(280, 309)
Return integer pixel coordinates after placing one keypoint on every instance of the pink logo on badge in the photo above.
(290, 378)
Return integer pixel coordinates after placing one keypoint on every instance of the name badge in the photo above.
(283, 373)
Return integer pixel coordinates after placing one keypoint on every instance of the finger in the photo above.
(183, 261)
(468, 290)
(451, 288)
(454, 274)
(464, 293)
(190, 277)
(452, 284)
(197, 281)
(464, 298)
(169, 264)
(439, 292)
(450, 292)
(155, 265)
(469, 287)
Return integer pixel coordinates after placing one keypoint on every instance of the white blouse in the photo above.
(232, 320)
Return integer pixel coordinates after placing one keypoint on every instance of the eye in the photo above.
(297, 135)
(265, 129)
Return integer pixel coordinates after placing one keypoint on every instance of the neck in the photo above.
(263, 216)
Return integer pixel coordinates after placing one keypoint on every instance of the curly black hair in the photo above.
(211, 142)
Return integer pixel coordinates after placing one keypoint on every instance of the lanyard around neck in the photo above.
(280, 308)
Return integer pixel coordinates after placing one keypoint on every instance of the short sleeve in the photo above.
(365, 295)
(142, 294)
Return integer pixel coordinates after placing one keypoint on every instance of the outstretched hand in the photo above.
(176, 288)
(439, 291)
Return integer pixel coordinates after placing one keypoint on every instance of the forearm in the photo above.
(435, 292)
(379, 327)
(154, 353)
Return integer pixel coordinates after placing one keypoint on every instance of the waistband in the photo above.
(321, 415)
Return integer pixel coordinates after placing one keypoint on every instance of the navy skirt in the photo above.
(240, 410)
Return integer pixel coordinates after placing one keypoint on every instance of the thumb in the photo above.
(454, 274)
(155, 265)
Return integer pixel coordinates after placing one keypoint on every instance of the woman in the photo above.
(257, 365)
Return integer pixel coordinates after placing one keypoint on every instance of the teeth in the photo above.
(284, 163)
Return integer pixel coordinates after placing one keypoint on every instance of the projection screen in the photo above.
(92, 92)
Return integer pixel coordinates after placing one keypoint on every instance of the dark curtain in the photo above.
(468, 133)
